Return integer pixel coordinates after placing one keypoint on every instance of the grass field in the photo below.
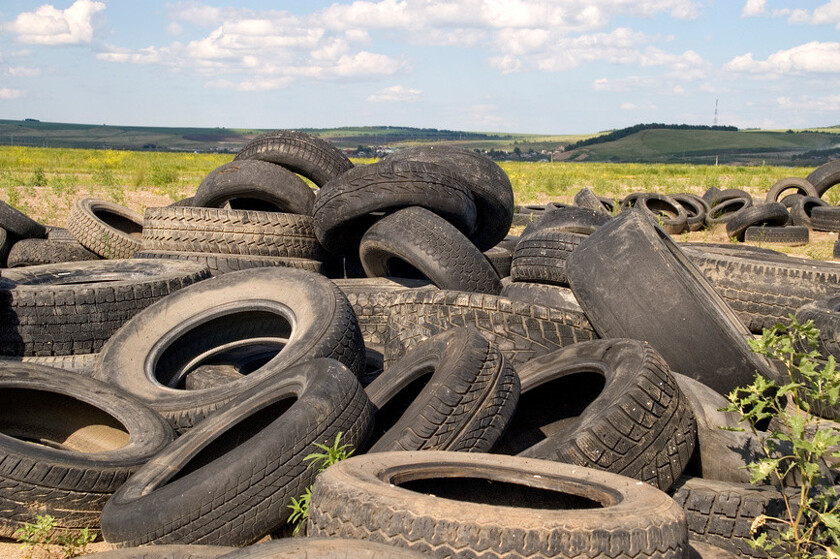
(44, 182)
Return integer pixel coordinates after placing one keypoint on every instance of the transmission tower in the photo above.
(716, 113)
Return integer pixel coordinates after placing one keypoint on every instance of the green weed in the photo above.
(41, 534)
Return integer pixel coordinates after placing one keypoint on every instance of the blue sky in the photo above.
(570, 66)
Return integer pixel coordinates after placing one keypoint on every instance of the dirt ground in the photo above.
(11, 549)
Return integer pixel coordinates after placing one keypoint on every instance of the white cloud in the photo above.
(175, 29)
(6, 93)
(50, 26)
(634, 107)
(754, 8)
(811, 58)
(395, 93)
(828, 13)
(808, 103)
(22, 72)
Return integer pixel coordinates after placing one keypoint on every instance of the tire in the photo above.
(7, 241)
(789, 235)
(81, 364)
(449, 504)
(721, 513)
(764, 288)
(188, 201)
(500, 258)
(453, 392)
(152, 353)
(344, 207)
(19, 224)
(554, 296)
(781, 189)
(32, 252)
(541, 255)
(165, 552)
(520, 330)
(724, 211)
(224, 263)
(720, 453)
(371, 297)
(696, 210)
(825, 313)
(587, 199)
(488, 183)
(824, 177)
(415, 240)
(773, 214)
(665, 300)
(323, 548)
(825, 218)
(75, 307)
(246, 233)
(612, 405)
(68, 443)
(569, 220)
(108, 229)
(803, 206)
(59, 234)
(714, 196)
(251, 184)
(301, 153)
(699, 550)
(671, 215)
(231, 479)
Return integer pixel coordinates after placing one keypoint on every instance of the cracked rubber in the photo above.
(32, 252)
(108, 229)
(453, 391)
(449, 504)
(540, 256)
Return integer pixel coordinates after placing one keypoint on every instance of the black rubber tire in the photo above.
(500, 258)
(242, 232)
(106, 228)
(165, 552)
(81, 364)
(489, 184)
(152, 353)
(720, 453)
(453, 391)
(7, 241)
(789, 235)
(780, 189)
(696, 209)
(520, 330)
(825, 218)
(540, 256)
(230, 479)
(224, 263)
(449, 504)
(19, 224)
(721, 513)
(541, 294)
(324, 548)
(75, 307)
(670, 215)
(371, 297)
(824, 177)
(188, 201)
(764, 287)
(723, 211)
(714, 196)
(773, 214)
(825, 312)
(250, 184)
(301, 153)
(700, 550)
(587, 199)
(568, 219)
(32, 252)
(68, 443)
(664, 300)
(416, 243)
(59, 234)
(800, 210)
(606, 404)
(346, 207)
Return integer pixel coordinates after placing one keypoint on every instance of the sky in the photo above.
(526, 66)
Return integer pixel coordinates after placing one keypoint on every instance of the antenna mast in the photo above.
(716, 113)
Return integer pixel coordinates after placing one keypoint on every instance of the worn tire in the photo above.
(68, 443)
(773, 214)
(500, 258)
(520, 330)
(241, 232)
(587, 199)
(19, 224)
(800, 210)
(824, 177)
(106, 228)
(825, 312)
(665, 301)
(555, 296)
(568, 219)
(453, 391)
(788, 235)
(152, 353)
(671, 215)
(722, 212)
(301, 153)
(347, 206)
(81, 363)
(224, 263)
(231, 479)
(165, 552)
(540, 256)
(75, 307)
(32, 252)
(415, 240)
(825, 218)
(449, 504)
(780, 189)
(695, 208)
(250, 184)
(324, 548)
(606, 404)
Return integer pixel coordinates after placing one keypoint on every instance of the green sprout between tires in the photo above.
(331, 454)
(41, 535)
(796, 443)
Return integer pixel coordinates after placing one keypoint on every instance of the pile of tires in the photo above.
(167, 382)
